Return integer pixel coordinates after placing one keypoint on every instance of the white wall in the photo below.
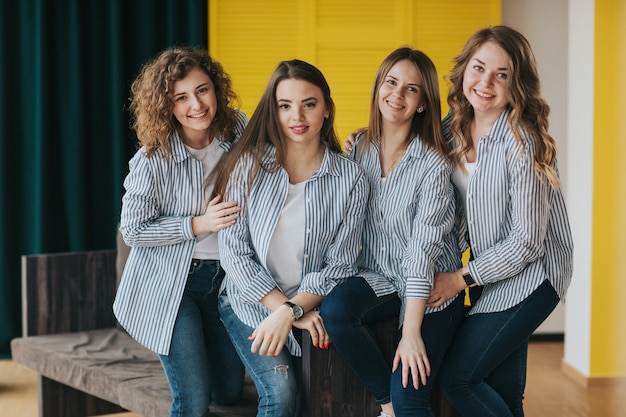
(580, 176)
(561, 33)
(545, 25)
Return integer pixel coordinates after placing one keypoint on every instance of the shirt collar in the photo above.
(501, 125)
(177, 147)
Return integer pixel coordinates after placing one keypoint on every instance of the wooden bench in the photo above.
(87, 365)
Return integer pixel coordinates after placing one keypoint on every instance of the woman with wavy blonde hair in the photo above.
(511, 214)
(185, 120)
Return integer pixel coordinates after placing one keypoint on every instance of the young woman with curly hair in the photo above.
(185, 120)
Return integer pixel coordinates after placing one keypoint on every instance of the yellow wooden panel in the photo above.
(346, 39)
(249, 38)
(608, 327)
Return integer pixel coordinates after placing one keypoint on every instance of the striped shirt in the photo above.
(335, 200)
(517, 222)
(162, 195)
(408, 235)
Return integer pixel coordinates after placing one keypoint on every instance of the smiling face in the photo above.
(195, 106)
(301, 111)
(485, 80)
(400, 94)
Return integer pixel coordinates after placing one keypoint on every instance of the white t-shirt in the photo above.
(286, 249)
(461, 180)
(207, 245)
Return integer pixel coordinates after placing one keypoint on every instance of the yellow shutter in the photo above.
(346, 39)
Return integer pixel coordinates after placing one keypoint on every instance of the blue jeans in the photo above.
(438, 330)
(348, 311)
(277, 379)
(202, 366)
(484, 373)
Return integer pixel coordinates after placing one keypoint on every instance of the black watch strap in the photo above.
(468, 279)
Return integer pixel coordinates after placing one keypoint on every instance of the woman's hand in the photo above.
(446, 286)
(349, 143)
(411, 352)
(217, 216)
(270, 336)
(313, 323)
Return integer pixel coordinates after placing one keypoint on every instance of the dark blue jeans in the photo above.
(348, 311)
(484, 374)
(438, 330)
(202, 366)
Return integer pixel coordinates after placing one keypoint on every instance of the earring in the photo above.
(326, 116)
(421, 109)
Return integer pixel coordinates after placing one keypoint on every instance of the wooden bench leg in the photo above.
(331, 389)
(56, 400)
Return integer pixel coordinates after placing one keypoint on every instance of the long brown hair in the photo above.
(529, 111)
(151, 102)
(264, 127)
(426, 125)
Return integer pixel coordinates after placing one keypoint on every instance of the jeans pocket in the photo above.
(195, 266)
(203, 276)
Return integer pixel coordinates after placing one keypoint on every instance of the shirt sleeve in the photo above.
(237, 254)
(434, 218)
(141, 220)
(529, 210)
(340, 258)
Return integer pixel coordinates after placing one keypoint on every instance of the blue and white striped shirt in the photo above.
(518, 225)
(335, 200)
(162, 195)
(408, 227)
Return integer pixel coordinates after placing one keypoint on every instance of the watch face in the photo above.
(297, 311)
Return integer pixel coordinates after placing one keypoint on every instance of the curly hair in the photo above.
(151, 101)
(427, 124)
(529, 111)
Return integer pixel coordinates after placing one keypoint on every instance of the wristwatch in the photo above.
(296, 310)
(468, 279)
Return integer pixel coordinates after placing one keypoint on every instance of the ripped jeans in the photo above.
(277, 379)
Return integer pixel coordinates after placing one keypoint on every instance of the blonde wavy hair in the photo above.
(529, 111)
(151, 102)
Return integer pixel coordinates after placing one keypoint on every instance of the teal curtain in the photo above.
(64, 128)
